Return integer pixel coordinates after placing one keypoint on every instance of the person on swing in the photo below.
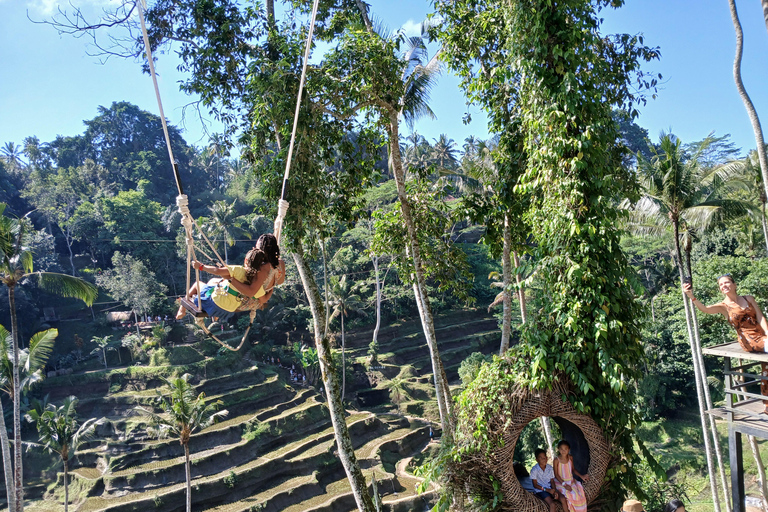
(743, 313)
(239, 288)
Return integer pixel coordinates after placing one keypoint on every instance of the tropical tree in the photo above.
(746, 175)
(16, 268)
(32, 360)
(345, 300)
(398, 389)
(182, 414)
(60, 432)
(394, 76)
(682, 194)
(103, 343)
(224, 223)
(751, 111)
(444, 152)
(131, 282)
(11, 154)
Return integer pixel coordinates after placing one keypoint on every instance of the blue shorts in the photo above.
(543, 495)
(209, 306)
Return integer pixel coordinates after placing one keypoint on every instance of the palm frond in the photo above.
(67, 286)
(40, 349)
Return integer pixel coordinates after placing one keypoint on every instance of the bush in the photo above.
(159, 357)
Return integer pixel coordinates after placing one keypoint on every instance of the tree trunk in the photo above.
(325, 288)
(420, 287)
(271, 12)
(136, 321)
(547, 428)
(66, 486)
(521, 291)
(226, 254)
(330, 381)
(765, 12)
(765, 227)
(17, 464)
(751, 112)
(375, 260)
(343, 360)
(697, 372)
(506, 266)
(7, 466)
(188, 471)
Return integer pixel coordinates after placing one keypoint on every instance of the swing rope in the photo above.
(182, 201)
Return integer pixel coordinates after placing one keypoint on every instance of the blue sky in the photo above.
(49, 85)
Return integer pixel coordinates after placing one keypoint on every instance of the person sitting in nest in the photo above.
(543, 478)
(743, 313)
(239, 288)
(566, 484)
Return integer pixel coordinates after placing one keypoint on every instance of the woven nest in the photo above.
(581, 431)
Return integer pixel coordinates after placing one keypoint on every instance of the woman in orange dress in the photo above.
(743, 313)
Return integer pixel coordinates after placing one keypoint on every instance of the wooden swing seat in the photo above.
(192, 308)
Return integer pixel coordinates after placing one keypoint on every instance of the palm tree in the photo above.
(345, 301)
(746, 175)
(16, 268)
(398, 388)
(405, 98)
(182, 414)
(444, 152)
(224, 223)
(684, 195)
(59, 432)
(32, 360)
(12, 156)
(751, 112)
(103, 346)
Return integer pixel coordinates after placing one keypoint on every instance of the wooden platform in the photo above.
(734, 350)
(746, 417)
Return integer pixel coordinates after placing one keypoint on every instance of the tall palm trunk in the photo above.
(420, 286)
(188, 471)
(66, 485)
(330, 381)
(506, 268)
(18, 468)
(7, 466)
(520, 291)
(697, 371)
(707, 395)
(343, 360)
(325, 287)
(375, 260)
(751, 112)
(547, 428)
(765, 225)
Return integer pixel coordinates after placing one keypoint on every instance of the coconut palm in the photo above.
(444, 152)
(59, 432)
(682, 194)
(103, 343)
(16, 268)
(224, 223)
(182, 414)
(345, 301)
(12, 156)
(402, 94)
(747, 176)
(33, 360)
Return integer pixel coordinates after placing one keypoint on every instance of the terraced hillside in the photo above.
(275, 451)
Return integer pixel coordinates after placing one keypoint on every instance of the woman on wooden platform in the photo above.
(743, 313)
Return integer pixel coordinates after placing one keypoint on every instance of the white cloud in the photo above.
(412, 28)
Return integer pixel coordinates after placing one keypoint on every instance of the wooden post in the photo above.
(737, 469)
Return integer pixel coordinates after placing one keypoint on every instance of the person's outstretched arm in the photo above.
(710, 310)
(217, 271)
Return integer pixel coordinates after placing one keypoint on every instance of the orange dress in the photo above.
(751, 336)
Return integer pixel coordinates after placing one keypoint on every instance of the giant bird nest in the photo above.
(479, 468)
